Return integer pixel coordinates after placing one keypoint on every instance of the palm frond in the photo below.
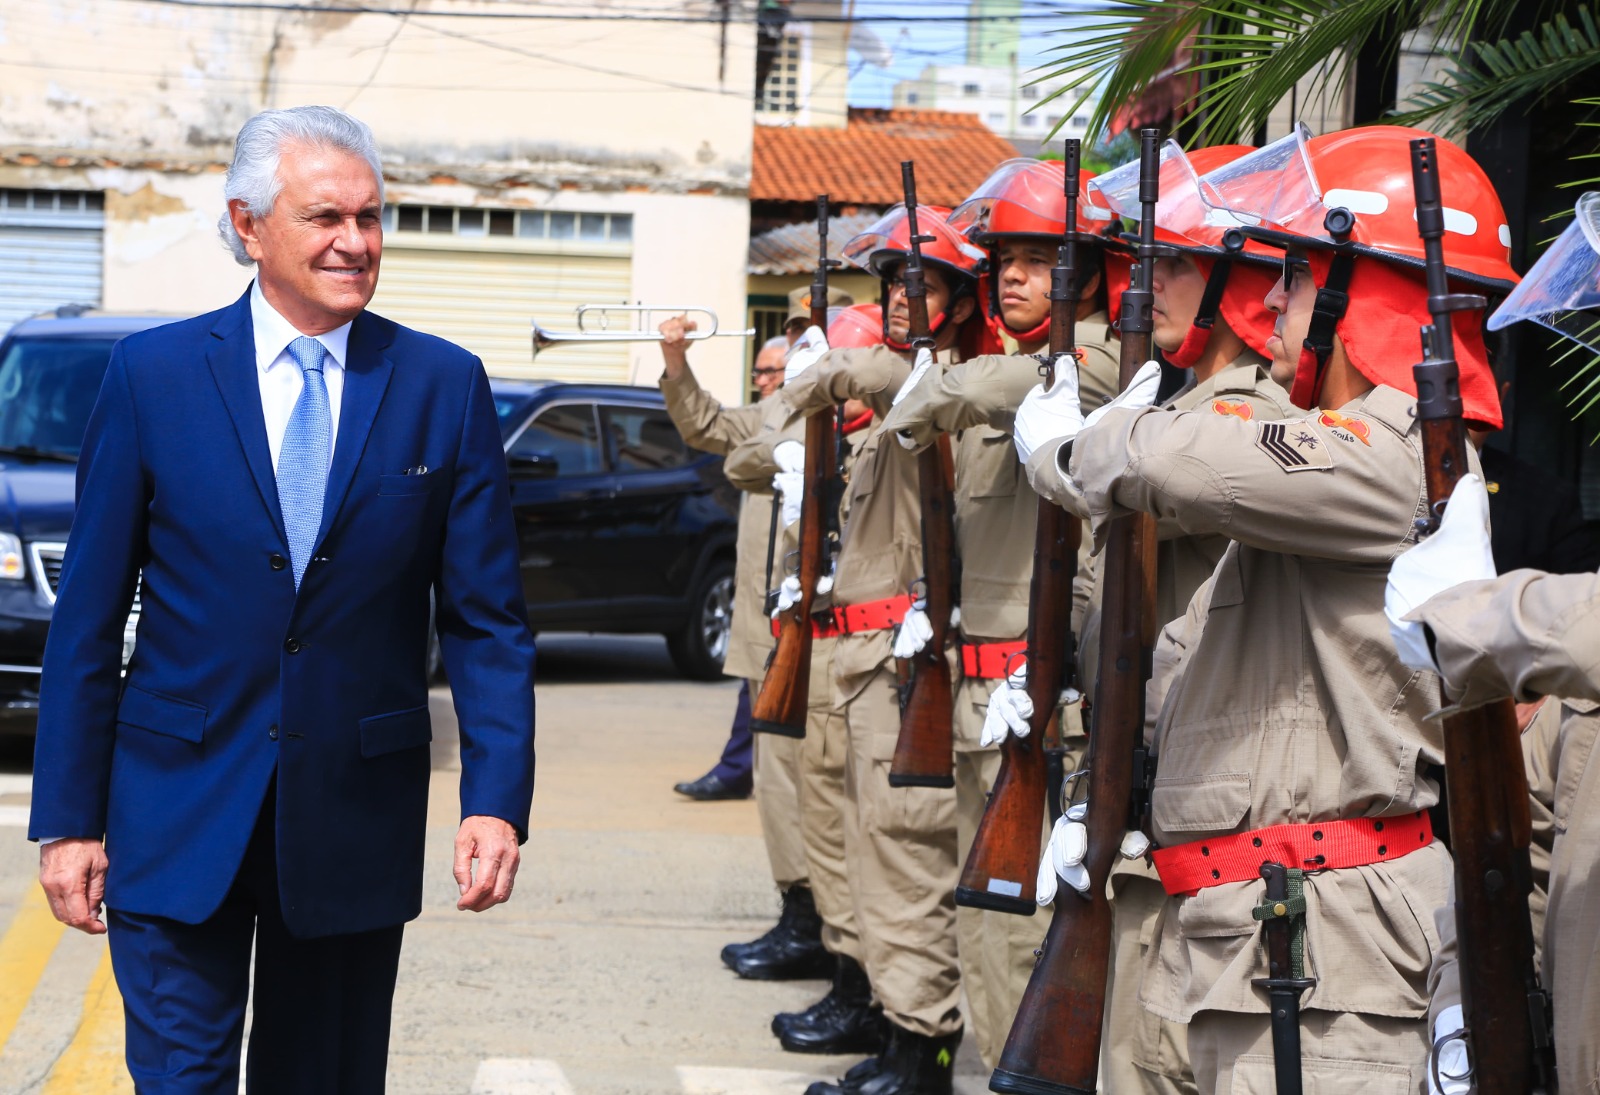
(1532, 65)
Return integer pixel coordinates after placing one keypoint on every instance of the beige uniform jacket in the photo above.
(880, 552)
(706, 424)
(1245, 390)
(1291, 705)
(1564, 793)
(1523, 634)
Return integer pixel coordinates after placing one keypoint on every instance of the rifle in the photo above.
(923, 753)
(1001, 871)
(1507, 1012)
(1054, 1044)
(780, 706)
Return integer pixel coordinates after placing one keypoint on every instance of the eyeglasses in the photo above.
(766, 372)
(1291, 265)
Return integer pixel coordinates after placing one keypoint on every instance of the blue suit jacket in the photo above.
(235, 676)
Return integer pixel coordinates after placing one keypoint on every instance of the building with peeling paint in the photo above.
(537, 156)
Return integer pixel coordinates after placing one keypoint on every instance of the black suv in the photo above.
(623, 528)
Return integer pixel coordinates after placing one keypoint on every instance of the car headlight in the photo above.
(11, 557)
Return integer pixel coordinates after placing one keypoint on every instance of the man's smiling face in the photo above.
(317, 252)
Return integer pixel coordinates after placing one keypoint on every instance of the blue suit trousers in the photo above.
(320, 1024)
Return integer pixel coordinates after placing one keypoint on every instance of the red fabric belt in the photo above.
(989, 660)
(1330, 845)
(822, 627)
(871, 616)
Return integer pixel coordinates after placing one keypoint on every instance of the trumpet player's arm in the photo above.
(750, 465)
(871, 374)
(985, 391)
(1524, 634)
(703, 421)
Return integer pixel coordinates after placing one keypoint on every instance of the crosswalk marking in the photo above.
(696, 1080)
(25, 950)
(520, 1076)
(93, 1061)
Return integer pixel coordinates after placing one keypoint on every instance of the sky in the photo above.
(916, 44)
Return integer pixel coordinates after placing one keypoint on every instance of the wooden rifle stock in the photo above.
(1054, 1044)
(1506, 1011)
(780, 706)
(1002, 869)
(923, 754)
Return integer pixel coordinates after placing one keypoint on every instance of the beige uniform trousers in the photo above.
(1140, 1052)
(901, 856)
(1341, 1053)
(824, 810)
(777, 784)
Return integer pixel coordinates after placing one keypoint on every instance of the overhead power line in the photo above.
(591, 16)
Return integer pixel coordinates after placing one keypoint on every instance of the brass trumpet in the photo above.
(637, 331)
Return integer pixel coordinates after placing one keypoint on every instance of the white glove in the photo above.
(923, 363)
(1010, 708)
(1046, 416)
(805, 352)
(1069, 843)
(1458, 552)
(789, 456)
(915, 631)
(788, 595)
(1449, 1070)
(791, 488)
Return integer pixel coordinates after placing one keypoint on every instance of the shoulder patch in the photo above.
(1226, 407)
(1294, 446)
(1346, 428)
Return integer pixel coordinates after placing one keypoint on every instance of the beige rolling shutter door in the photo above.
(487, 300)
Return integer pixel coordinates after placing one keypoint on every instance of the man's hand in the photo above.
(493, 843)
(675, 344)
(73, 875)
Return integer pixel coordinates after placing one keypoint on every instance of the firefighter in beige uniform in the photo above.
(794, 947)
(1210, 318)
(901, 842)
(1526, 635)
(1019, 214)
(844, 1020)
(1292, 733)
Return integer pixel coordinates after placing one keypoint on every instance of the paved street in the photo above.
(599, 978)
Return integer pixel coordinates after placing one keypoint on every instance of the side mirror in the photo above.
(533, 465)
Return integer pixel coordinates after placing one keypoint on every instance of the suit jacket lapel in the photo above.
(366, 378)
(232, 358)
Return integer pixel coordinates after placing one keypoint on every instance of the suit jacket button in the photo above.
(272, 731)
(276, 561)
(292, 646)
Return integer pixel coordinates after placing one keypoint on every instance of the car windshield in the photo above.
(47, 389)
(511, 408)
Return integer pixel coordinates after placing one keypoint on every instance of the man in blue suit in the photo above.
(284, 481)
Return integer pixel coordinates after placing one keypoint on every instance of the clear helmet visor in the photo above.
(1562, 290)
(1182, 204)
(1272, 187)
(1035, 189)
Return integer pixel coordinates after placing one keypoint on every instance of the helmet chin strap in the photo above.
(1194, 344)
(1333, 299)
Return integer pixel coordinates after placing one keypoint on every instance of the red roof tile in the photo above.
(860, 164)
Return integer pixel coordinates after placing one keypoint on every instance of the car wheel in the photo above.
(699, 649)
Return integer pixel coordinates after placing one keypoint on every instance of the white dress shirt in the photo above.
(281, 379)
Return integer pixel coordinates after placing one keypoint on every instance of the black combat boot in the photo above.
(790, 951)
(844, 1021)
(912, 1065)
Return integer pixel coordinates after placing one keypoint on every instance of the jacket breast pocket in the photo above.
(393, 732)
(162, 714)
(405, 486)
(1212, 803)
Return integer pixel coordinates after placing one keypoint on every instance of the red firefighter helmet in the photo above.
(888, 242)
(1347, 196)
(856, 326)
(1026, 198)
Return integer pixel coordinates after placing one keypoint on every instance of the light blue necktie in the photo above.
(303, 458)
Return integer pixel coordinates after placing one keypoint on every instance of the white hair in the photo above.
(776, 342)
(253, 175)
